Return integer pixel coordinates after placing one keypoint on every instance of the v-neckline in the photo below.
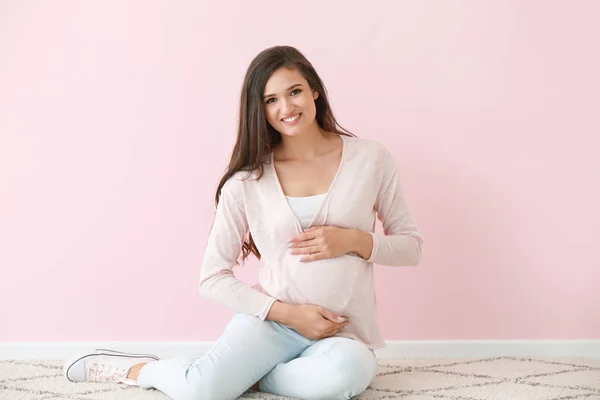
(281, 194)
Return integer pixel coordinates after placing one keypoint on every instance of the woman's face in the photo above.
(289, 102)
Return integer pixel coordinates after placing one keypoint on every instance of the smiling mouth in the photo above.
(291, 119)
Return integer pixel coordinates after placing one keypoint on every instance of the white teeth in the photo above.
(295, 117)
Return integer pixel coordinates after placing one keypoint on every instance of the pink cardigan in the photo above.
(365, 187)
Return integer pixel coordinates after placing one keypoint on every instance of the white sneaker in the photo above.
(104, 366)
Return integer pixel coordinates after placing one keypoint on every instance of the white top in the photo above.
(305, 208)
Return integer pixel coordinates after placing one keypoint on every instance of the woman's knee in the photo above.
(350, 379)
(348, 375)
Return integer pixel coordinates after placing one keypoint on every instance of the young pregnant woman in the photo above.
(303, 196)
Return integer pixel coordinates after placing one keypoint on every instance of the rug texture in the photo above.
(492, 378)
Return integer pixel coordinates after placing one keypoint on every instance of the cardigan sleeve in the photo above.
(401, 243)
(217, 281)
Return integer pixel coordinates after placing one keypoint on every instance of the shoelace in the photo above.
(105, 373)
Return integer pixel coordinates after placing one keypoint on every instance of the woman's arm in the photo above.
(360, 243)
(401, 243)
(217, 281)
(280, 312)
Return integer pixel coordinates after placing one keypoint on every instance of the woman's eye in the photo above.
(293, 93)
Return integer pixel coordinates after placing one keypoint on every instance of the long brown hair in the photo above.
(256, 137)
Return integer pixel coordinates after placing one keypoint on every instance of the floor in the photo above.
(428, 379)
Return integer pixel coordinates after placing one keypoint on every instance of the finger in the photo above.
(305, 243)
(306, 250)
(314, 257)
(335, 329)
(331, 316)
(302, 237)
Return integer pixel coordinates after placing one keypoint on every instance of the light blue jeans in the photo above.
(285, 362)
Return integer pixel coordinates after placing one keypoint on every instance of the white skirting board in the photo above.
(396, 349)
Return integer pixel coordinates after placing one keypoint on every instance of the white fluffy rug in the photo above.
(492, 378)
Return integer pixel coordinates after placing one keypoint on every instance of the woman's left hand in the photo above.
(320, 242)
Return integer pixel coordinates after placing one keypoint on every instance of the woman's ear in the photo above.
(315, 94)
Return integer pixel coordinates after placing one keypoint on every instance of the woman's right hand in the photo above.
(315, 322)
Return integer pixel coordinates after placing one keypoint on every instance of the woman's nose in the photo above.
(286, 107)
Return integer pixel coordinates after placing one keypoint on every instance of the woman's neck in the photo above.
(306, 146)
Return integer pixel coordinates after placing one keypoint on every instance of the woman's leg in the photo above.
(332, 368)
(246, 351)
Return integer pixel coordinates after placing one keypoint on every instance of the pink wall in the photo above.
(116, 121)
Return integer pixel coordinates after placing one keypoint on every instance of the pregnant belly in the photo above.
(328, 283)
